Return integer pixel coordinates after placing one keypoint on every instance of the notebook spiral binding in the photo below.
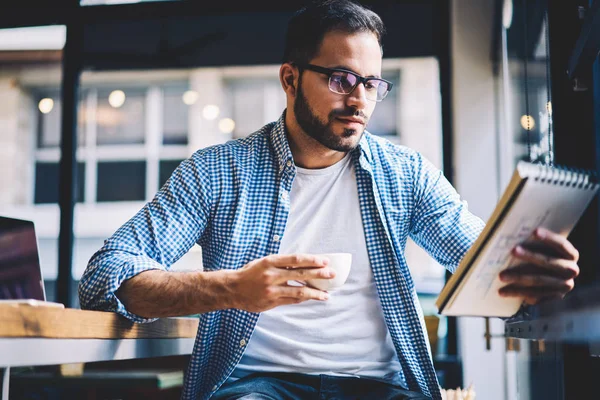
(561, 175)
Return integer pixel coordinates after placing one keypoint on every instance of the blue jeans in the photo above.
(292, 386)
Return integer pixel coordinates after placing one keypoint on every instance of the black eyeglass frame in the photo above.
(359, 79)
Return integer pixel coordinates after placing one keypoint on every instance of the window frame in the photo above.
(90, 154)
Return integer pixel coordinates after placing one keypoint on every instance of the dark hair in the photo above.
(309, 25)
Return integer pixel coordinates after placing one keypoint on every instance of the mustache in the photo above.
(349, 112)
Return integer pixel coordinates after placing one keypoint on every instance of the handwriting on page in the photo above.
(497, 256)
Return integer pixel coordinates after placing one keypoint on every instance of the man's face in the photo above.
(338, 121)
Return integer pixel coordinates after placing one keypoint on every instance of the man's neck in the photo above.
(308, 152)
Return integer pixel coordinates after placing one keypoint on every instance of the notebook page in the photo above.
(555, 207)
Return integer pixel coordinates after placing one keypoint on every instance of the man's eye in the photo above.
(371, 86)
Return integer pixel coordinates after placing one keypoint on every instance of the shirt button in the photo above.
(242, 342)
(276, 238)
(289, 163)
(214, 388)
(284, 195)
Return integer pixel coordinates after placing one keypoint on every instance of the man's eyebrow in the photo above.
(351, 70)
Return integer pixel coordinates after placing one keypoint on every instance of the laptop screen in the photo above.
(20, 272)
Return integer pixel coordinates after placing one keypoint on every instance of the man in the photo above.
(263, 207)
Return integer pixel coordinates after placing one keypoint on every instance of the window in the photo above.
(46, 182)
(120, 117)
(49, 113)
(130, 141)
(526, 88)
(121, 181)
(252, 103)
(175, 114)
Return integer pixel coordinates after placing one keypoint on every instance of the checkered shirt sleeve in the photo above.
(157, 236)
(442, 223)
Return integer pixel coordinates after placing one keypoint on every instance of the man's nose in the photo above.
(358, 97)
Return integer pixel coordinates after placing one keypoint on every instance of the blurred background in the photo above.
(147, 83)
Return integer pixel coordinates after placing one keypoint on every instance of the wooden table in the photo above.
(38, 335)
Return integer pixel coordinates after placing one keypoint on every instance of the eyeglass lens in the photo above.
(344, 83)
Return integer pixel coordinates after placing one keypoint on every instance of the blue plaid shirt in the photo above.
(228, 199)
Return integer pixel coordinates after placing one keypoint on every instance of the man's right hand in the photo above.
(263, 284)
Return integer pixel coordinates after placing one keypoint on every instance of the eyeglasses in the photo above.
(342, 81)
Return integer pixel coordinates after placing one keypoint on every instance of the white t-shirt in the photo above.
(347, 334)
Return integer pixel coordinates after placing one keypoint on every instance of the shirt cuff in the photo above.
(134, 266)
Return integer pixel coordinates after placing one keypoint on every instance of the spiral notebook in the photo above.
(536, 196)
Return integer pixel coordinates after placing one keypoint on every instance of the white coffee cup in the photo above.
(340, 263)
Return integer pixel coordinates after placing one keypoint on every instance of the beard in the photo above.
(323, 132)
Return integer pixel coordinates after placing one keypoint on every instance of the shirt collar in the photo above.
(365, 149)
(284, 154)
(280, 144)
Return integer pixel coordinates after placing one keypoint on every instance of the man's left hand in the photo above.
(542, 276)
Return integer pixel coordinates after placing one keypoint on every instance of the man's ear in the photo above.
(288, 76)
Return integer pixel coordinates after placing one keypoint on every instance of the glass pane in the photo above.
(383, 122)
(49, 113)
(48, 107)
(46, 182)
(120, 116)
(166, 168)
(528, 90)
(175, 116)
(252, 103)
(121, 181)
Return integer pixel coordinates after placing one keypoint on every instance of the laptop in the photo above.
(21, 278)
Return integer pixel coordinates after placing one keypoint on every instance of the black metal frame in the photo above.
(579, 149)
(444, 52)
(68, 162)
